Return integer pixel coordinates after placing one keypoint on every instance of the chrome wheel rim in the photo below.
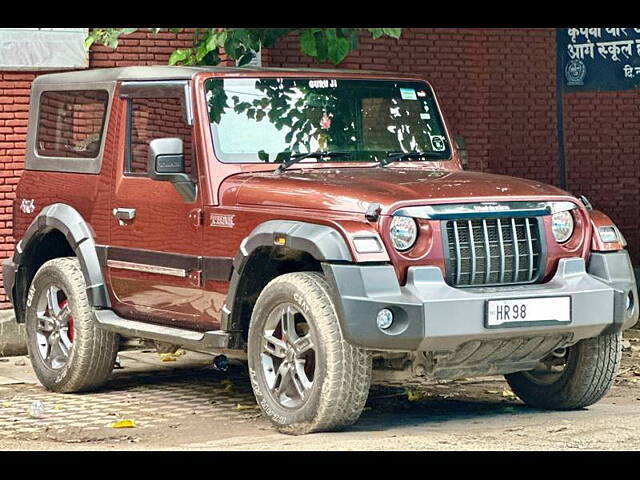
(288, 356)
(54, 327)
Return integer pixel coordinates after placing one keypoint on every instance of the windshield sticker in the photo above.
(408, 94)
(437, 142)
(421, 93)
(333, 83)
(325, 122)
(425, 116)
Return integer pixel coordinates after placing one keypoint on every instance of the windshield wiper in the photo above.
(296, 157)
(394, 156)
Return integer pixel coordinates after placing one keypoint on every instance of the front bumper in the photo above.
(432, 316)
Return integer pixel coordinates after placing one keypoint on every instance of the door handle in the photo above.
(124, 214)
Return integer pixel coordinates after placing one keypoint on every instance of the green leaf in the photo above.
(90, 40)
(392, 32)
(322, 45)
(376, 32)
(308, 43)
(338, 48)
(180, 55)
(245, 58)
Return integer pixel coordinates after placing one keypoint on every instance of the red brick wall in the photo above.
(603, 156)
(140, 48)
(497, 90)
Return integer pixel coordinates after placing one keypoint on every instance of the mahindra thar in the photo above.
(319, 221)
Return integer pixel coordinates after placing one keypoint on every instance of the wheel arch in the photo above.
(42, 241)
(260, 259)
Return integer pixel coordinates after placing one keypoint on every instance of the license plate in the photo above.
(520, 311)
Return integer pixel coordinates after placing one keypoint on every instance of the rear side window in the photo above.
(152, 118)
(71, 123)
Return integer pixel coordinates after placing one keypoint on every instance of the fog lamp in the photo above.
(629, 303)
(384, 318)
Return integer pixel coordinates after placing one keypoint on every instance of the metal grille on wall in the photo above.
(598, 59)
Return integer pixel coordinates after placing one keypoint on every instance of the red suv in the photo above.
(319, 221)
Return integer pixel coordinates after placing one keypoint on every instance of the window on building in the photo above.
(71, 123)
(152, 118)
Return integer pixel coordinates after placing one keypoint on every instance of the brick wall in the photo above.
(603, 156)
(140, 48)
(497, 90)
(496, 87)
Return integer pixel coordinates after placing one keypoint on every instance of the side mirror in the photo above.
(166, 163)
(459, 141)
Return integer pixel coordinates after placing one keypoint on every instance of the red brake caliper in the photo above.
(63, 304)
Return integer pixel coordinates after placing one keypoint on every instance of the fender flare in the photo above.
(322, 242)
(81, 238)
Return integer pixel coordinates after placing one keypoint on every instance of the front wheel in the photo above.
(305, 376)
(579, 378)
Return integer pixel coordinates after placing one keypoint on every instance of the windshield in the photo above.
(268, 119)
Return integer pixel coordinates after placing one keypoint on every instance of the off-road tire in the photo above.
(590, 370)
(343, 371)
(92, 356)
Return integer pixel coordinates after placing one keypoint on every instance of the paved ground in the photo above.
(187, 404)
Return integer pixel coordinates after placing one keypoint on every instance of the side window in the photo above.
(71, 122)
(151, 118)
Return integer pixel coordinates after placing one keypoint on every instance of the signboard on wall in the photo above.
(43, 48)
(598, 59)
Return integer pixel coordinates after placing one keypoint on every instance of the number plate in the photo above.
(521, 311)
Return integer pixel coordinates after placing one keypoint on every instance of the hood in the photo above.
(353, 189)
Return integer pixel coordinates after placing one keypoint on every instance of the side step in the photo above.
(202, 341)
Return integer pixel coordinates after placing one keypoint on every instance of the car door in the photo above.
(155, 236)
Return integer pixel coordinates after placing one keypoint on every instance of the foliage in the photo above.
(241, 44)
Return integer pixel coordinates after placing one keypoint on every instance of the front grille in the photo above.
(492, 251)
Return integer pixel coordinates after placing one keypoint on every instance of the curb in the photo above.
(12, 335)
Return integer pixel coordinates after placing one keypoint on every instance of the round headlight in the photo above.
(404, 232)
(562, 226)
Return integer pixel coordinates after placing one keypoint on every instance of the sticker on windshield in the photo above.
(425, 116)
(437, 143)
(333, 83)
(408, 94)
(421, 93)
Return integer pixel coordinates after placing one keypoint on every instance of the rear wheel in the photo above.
(68, 351)
(305, 376)
(577, 379)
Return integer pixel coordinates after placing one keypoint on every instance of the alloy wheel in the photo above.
(54, 327)
(288, 356)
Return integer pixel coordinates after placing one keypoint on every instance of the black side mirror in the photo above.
(166, 163)
(460, 146)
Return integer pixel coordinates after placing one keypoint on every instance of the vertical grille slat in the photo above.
(472, 247)
(493, 251)
(458, 256)
(530, 244)
(487, 274)
(502, 254)
(516, 250)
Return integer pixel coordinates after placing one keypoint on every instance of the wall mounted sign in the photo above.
(43, 48)
(598, 59)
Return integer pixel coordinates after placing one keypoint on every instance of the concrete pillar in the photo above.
(12, 335)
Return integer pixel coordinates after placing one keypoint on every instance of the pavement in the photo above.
(187, 404)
